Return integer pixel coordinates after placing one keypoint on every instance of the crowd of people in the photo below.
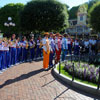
(14, 51)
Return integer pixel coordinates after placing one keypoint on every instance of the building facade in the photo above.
(79, 26)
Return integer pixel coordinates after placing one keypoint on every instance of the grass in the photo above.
(79, 80)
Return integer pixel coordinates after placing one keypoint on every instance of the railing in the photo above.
(79, 59)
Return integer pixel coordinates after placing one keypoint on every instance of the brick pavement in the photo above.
(28, 81)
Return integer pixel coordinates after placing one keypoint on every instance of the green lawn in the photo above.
(68, 75)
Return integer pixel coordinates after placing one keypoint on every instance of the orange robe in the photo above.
(46, 55)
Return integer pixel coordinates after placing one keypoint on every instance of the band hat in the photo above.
(57, 34)
(54, 34)
(46, 33)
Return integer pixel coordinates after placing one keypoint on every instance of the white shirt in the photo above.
(64, 43)
(52, 44)
(93, 42)
(1, 47)
(76, 43)
(86, 43)
(44, 40)
(38, 42)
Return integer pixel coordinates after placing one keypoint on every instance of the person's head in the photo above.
(65, 35)
(57, 34)
(18, 39)
(51, 34)
(32, 37)
(46, 34)
(54, 36)
(13, 36)
(24, 38)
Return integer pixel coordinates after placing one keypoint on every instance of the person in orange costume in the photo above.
(46, 50)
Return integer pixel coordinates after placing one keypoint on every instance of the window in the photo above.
(81, 18)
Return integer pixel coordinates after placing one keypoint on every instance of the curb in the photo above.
(78, 85)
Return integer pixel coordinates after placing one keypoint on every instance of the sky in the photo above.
(71, 3)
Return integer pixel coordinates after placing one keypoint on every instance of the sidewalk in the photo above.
(28, 81)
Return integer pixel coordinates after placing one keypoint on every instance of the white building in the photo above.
(79, 26)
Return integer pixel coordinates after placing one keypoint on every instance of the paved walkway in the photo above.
(28, 81)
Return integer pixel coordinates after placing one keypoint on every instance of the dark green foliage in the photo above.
(10, 10)
(44, 15)
(94, 15)
(73, 12)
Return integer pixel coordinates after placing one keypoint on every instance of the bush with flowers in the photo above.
(83, 71)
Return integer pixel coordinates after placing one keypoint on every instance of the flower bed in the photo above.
(83, 71)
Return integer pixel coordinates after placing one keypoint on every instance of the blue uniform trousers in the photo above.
(69, 48)
(18, 55)
(24, 54)
(31, 53)
(64, 53)
(2, 59)
(51, 59)
(7, 59)
(38, 52)
(13, 55)
(76, 50)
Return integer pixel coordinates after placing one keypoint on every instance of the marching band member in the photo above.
(13, 54)
(32, 46)
(7, 53)
(18, 51)
(58, 47)
(24, 50)
(64, 47)
(2, 56)
(52, 50)
(38, 49)
(46, 50)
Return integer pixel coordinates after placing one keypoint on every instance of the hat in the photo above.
(46, 33)
(54, 34)
(57, 34)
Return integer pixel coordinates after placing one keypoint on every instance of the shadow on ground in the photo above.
(22, 77)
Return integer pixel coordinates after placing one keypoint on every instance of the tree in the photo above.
(73, 12)
(10, 10)
(95, 17)
(91, 3)
(44, 15)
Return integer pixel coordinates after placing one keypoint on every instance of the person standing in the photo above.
(69, 45)
(32, 48)
(13, 53)
(1, 55)
(64, 47)
(7, 53)
(93, 45)
(38, 48)
(24, 50)
(46, 50)
(58, 47)
(52, 50)
(76, 47)
(86, 45)
(18, 51)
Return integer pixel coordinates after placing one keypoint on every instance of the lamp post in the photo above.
(9, 23)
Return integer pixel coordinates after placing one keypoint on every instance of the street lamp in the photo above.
(9, 22)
